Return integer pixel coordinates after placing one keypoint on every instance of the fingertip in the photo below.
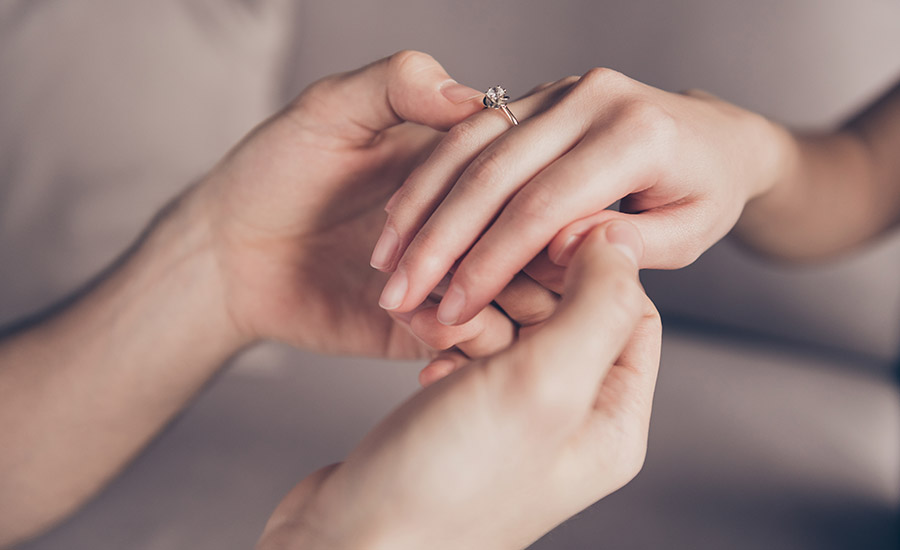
(436, 370)
(627, 239)
(624, 236)
(452, 305)
(458, 93)
(386, 248)
(563, 254)
(421, 91)
(394, 292)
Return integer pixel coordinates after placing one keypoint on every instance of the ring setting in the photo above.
(496, 97)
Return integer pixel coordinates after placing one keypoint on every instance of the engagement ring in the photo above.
(497, 98)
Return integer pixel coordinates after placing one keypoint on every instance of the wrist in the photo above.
(314, 516)
(777, 155)
(178, 252)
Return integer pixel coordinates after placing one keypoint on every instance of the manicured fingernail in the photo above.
(385, 249)
(394, 291)
(457, 93)
(451, 306)
(626, 238)
(564, 256)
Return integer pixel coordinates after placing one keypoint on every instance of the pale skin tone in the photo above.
(271, 244)
(508, 446)
(685, 167)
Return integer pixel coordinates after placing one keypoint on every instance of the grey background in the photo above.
(777, 421)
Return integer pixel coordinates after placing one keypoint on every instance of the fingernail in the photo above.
(390, 202)
(451, 306)
(457, 93)
(394, 291)
(564, 256)
(385, 249)
(626, 238)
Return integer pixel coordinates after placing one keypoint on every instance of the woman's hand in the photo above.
(507, 447)
(295, 207)
(491, 196)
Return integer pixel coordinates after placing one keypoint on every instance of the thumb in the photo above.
(601, 306)
(407, 86)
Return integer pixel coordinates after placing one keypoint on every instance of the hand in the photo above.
(492, 196)
(507, 447)
(294, 209)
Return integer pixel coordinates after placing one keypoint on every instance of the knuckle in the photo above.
(651, 314)
(405, 62)
(534, 205)
(436, 337)
(423, 256)
(438, 340)
(536, 313)
(464, 136)
(603, 78)
(485, 171)
(652, 119)
(624, 297)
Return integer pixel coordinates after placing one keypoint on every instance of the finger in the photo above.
(441, 366)
(487, 333)
(623, 403)
(546, 273)
(573, 187)
(426, 187)
(562, 364)
(474, 201)
(407, 86)
(526, 302)
(674, 235)
(628, 387)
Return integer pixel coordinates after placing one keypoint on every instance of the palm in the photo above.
(299, 268)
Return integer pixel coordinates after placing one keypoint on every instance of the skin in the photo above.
(839, 189)
(684, 166)
(526, 437)
(271, 244)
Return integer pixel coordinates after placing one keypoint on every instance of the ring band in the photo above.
(496, 98)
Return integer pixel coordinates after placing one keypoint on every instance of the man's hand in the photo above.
(505, 448)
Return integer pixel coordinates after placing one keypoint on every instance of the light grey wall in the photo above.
(803, 61)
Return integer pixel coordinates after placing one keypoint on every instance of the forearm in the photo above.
(82, 392)
(835, 191)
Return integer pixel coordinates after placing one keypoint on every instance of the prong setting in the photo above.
(496, 97)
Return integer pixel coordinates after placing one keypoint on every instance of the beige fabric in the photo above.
(107, 108)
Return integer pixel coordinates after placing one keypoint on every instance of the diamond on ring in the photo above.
(496, 98)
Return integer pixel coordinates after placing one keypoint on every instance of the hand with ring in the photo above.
(493, 196)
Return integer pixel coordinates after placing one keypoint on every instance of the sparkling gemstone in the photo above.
(495, 97)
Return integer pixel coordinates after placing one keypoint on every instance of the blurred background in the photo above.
(777, 418)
